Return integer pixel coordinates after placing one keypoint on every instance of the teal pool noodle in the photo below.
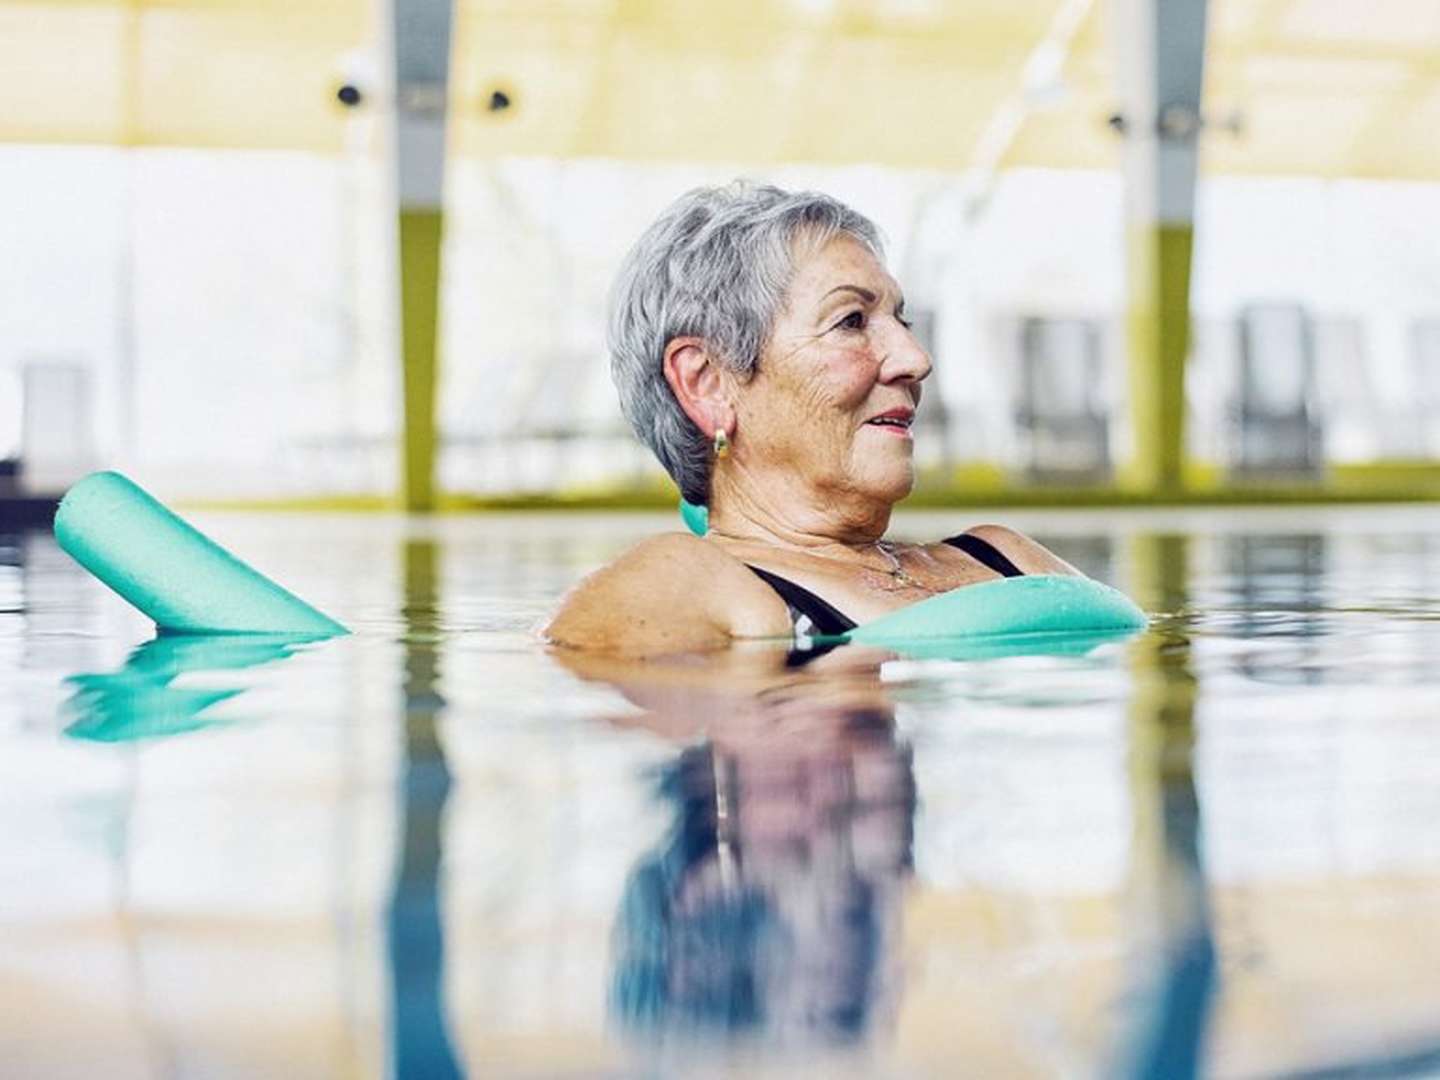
(170, 570)
(1034, 604)
(696, 518)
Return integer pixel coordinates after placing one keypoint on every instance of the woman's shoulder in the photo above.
(1029, 556)
(669, 593)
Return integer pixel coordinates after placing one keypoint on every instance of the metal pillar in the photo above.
(422, 69)
(1162, 65)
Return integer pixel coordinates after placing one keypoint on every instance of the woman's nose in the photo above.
(905, 357)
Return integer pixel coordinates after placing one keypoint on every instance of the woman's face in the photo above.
(838, 382)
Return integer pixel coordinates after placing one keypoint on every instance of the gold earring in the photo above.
(722, 443)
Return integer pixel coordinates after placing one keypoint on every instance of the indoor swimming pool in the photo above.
(433, 848)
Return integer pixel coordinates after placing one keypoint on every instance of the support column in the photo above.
(1162, 65)
(422, 69)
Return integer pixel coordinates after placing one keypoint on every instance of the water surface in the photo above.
(435, 849)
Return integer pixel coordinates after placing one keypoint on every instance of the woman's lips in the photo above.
(899, 431)
(895, 422)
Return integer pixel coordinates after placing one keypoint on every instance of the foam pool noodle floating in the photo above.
(171, 571)
(696, 518)
(1041, 604)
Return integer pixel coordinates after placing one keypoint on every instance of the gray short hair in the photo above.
(715, 265)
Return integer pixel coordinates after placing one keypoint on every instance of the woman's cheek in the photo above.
(857, 375)
(819, 393)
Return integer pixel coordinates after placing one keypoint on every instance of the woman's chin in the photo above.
(890, 484)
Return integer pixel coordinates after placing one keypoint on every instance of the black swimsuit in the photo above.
(813, 617)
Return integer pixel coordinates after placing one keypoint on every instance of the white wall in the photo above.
(253, 293)
(235, 310)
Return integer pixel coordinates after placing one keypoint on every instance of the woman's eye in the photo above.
(854, 321)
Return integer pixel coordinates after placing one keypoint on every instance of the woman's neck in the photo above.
(803, 520)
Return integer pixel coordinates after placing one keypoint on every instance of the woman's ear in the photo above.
(700, 385)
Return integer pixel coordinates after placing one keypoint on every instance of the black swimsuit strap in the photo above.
(825, 619)
(985, 552)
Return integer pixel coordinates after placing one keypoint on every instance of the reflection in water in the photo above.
(10, 552)
(1281, 574)
(140, 700)
(420, 1042)
(770, 912)
(769, 909)
(1274, 569)
(1171, 1040)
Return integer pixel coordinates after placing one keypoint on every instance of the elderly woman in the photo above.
(760, 348)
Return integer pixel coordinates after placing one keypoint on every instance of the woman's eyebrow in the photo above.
(864, 293)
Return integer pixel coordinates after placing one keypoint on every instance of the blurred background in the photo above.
(202, 269)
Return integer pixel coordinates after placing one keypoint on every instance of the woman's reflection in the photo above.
(770, 911)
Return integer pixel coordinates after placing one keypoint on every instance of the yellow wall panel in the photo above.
(1076, 137)
(258, 74)
(235, 78)
(63, 73)
(1324, 87)
(1280, 135)
(722, 87)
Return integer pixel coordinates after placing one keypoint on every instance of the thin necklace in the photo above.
(896, 571)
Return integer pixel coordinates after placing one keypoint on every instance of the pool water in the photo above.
(434, 848)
